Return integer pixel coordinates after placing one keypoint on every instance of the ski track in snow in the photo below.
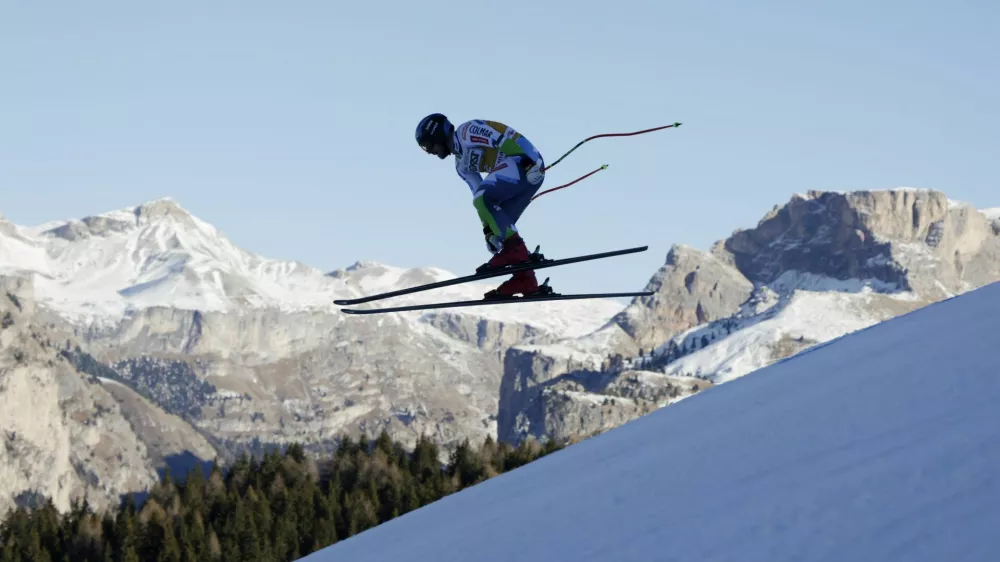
(881, 445)
(181, 261)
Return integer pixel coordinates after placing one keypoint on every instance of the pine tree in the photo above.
(466, 464)
(46, 524)
(32, 548)
(214, 548)
(247, 539)
(163, 545)
(125, 531)
(186, 539)
(170, 550)
(362, 514)
(286, 540)
(129, 554)
(425, 459)
(384, 443)
(231, 550)
(193, 495)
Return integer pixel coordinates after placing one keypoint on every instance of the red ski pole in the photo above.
(604, 167)
(607, 135)
(581, 178)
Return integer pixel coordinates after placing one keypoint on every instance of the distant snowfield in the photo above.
(158, 254)
(881, 445)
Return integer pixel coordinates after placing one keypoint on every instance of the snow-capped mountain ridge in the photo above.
(158, 254)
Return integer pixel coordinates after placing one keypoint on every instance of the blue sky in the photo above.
(290, 125)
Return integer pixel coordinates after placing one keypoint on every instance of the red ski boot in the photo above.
(514, 252)
(522, 282)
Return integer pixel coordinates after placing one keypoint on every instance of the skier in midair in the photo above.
(515, 171)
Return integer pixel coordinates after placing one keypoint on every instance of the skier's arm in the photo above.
(474, 179)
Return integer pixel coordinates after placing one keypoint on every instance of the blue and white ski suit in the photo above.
(514, 169)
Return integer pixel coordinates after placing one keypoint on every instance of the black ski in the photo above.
(492, 301)
(540, 263)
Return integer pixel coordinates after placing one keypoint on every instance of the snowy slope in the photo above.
(881, 445)
(806, 316)
(159, 254)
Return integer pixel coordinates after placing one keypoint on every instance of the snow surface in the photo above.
(804, 315)
(992, 214)
(158, 254)
(881, 445)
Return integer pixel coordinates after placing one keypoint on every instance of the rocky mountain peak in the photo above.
(123, 220)
(691, 288)
(160, 208)
(882, 238)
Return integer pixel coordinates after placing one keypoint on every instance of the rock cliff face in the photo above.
(813, 269)
(691, 288)
(281, 376)
(563, 395)
(897, 241)
(64, 436)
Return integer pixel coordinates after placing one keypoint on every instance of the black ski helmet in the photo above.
(433, 133)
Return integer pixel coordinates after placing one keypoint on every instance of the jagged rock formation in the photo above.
(691, 288)
(813, 269)
(896, 240)
(559, 398)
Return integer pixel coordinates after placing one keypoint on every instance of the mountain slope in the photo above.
(880, 445)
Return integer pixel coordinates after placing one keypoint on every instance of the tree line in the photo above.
(279, 506)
